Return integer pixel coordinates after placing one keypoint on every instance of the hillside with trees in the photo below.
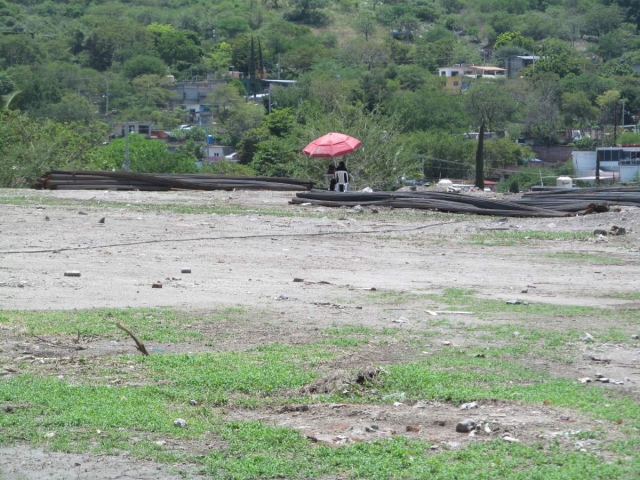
(69, 70)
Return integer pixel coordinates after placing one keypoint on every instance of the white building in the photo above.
(619, 163)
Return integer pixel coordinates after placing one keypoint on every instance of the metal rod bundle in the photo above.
(554, 198)
(450, 203)
(98, 180)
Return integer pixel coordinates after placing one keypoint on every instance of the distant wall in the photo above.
(558, 153)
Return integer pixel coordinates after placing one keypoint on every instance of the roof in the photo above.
(488, 69)
(529, 57)
(283, 82)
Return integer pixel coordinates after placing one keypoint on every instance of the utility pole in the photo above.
(126, 146)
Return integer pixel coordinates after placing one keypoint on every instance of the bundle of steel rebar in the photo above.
(557, 198)
(445, 202)
(98, 180)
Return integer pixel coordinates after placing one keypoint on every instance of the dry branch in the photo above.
(139, 345)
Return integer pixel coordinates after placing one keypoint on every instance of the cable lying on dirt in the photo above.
(232, 237)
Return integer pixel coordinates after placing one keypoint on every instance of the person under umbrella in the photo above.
(331, 171)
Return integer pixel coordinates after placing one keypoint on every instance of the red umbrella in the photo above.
(331, 145)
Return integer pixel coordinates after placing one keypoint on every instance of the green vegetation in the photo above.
(507, 238)
(128, 403)
(587, 257)
(368, 69)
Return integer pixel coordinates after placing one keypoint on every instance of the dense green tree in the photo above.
(601, 19)
(19, 50)
(514, 39)
(178, 46)
(143, 65)
(114, 41)
(29, 147)
(308, 12)
(577, 108)
(7, 85)
(145, 156)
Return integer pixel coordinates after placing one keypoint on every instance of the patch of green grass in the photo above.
(260, 451)
(587, 257)
(344, 342)
(510, 238)
(161, 325)
(169, 383)
(464, 299)
(633, 295)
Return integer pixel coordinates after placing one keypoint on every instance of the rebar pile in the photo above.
(98, 180)
(451, 203)
(564, 197)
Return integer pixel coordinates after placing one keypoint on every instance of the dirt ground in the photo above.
(251, 259)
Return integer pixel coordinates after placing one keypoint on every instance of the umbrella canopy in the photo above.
(331, 145)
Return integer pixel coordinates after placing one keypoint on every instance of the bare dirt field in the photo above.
(296, 271)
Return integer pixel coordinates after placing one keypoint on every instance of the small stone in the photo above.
(82, 213)
(160, 443)
(46, 219)
(193, 403)
(604, 380)
(371, 428)
(514, 302)
(440, 423)
(298, 280)
(526, 290)
(600, 232)
(465, 426)
(50, 434)
(102, 220)
(507, 438)
(434, 447)
(413, 428)
(635, 337)
(400, 320)
(180, 422)
(468, 406)
(618, 382)
(587, 337)
(564, 418)
(156, 285)
(72, 273)
(301, 408)
(185, 270)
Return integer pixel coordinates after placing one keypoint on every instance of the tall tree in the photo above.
(489, 106)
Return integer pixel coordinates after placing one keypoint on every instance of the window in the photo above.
(456, 83)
